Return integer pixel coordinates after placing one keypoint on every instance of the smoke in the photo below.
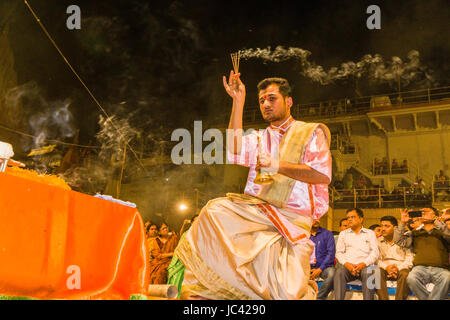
(102, 166)
(113, 136)
(55, 121)
(25, 107)
(371, 67)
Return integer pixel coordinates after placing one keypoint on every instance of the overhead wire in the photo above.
(49, 140)
(80, 79)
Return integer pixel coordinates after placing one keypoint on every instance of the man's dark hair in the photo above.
(391, 219)
(342, 220)
(357, 210)
(374, 226)
(436, 211)
(283, 84)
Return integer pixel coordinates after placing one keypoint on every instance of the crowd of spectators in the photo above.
(361, 192)
(380, 167)
(161, 244)
(441, 186)
(414, 254)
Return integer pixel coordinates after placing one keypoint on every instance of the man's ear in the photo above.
(289, 102)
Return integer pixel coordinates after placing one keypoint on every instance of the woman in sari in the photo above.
(162, 252)
(151, 234)
(176, 268)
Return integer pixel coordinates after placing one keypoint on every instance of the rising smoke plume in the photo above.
(371, 67)
(27, 109)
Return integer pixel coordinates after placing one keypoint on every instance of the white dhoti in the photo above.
(233, 251)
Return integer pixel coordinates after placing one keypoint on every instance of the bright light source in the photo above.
(182, 207)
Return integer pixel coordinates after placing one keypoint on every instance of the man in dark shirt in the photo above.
(430, 243)
(323, 265)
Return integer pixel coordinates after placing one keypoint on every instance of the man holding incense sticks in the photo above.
(256, 245)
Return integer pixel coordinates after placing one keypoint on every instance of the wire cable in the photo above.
(81, 80)
(49, 140)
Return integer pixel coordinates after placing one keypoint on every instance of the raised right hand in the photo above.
(234, 87)
(404, 216)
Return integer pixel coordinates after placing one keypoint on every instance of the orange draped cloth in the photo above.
(61, 244)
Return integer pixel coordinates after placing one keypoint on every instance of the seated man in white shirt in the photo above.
(394, 261)
(356, 250)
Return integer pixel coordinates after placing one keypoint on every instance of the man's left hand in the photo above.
(268, 164)
(359, 267)
(315, 273)
(392, 271)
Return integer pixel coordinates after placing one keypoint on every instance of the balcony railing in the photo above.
(383, 168)
(403, 197)
(441, 191)
(378, 198)
(343, 145)
(352, 106)
(362, 105)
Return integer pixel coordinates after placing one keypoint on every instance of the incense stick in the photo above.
(235, 57)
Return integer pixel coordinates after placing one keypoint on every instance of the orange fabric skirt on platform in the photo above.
(62, 244)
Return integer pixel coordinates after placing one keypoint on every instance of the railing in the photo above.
(343, 145)
(362, 105)
(378, 198)
(408, 168)
(401, 197)
(440, 190)
(383, 168)
(351, 106)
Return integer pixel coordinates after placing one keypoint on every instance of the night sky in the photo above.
(160, 63)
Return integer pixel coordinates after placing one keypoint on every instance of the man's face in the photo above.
(387, 229)
(316, 224)
(428, 215)
(354, 221)
(272, 104)
(377, 231)
(153, 231)
(344, 225)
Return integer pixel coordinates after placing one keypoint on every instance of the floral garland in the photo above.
(48, 179)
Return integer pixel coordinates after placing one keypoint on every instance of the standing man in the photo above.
(256, 245)
(395, 262)
(430, 243)
(323, 266)
(357, 249)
